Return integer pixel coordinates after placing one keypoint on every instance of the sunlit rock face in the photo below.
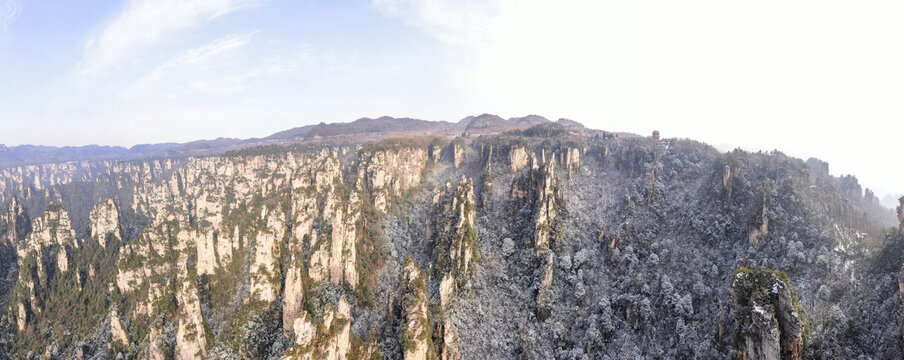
(104, 220)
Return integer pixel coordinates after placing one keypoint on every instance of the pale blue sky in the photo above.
(150, 71)
(812, 78)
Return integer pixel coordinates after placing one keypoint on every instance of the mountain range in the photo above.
(379, 127)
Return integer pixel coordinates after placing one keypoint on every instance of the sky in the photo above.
(817, 78)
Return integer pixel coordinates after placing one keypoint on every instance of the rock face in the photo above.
(415, 337)
(451, 345)
(293, 299)
(518, 158)
(539, 191)
(541, 242)
(104, 221)
(730, 174)
(243, 234)
(330, 340)
(265, 258)
(457, 150)
(52, 235)
(545, 186)
(387, 173)
(571, 158)
(44, 264)
(14, 225)
(53, 229)
(452, 229)
(769, 323)
(119, 337)
(191, 331)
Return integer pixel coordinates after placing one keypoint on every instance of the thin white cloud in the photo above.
(463, 22)
(234, 82)
(207, 57)
(219, 67)
(143, 24)
(9, 12)
(200, 55)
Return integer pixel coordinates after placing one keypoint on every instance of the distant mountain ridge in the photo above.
(383, 126)
(38, 154)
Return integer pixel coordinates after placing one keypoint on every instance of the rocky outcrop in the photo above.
(265, 272)
(452, 229)
(544, 189)
(571, 158)
(207, 246)
(21, 316)
(547, 261)
(304, 215)
(151, 254)
(759, 224)
(338, 324)
(539, 189)
(292, 220)
(385, 173)
(331, 340)
(304, 330)
(726, 178)
(104, 219)
(850, 186)
(14, 224)
(191, 331)
(457, 149)
(40, 177)
(156, 343)
(435, 151)
(44, 264)
(52, 234)
(518, 157)
(451, 345)
(343, 254)
(488, 156)
(293, 298)
(52, 228)
(415, 337)
(117, 333)
(333, 253)
(731, 172)
(769, 324)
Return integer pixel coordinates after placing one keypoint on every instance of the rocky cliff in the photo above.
(541, 242)
(769, 322)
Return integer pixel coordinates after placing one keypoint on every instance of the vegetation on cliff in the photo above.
(544, 242)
